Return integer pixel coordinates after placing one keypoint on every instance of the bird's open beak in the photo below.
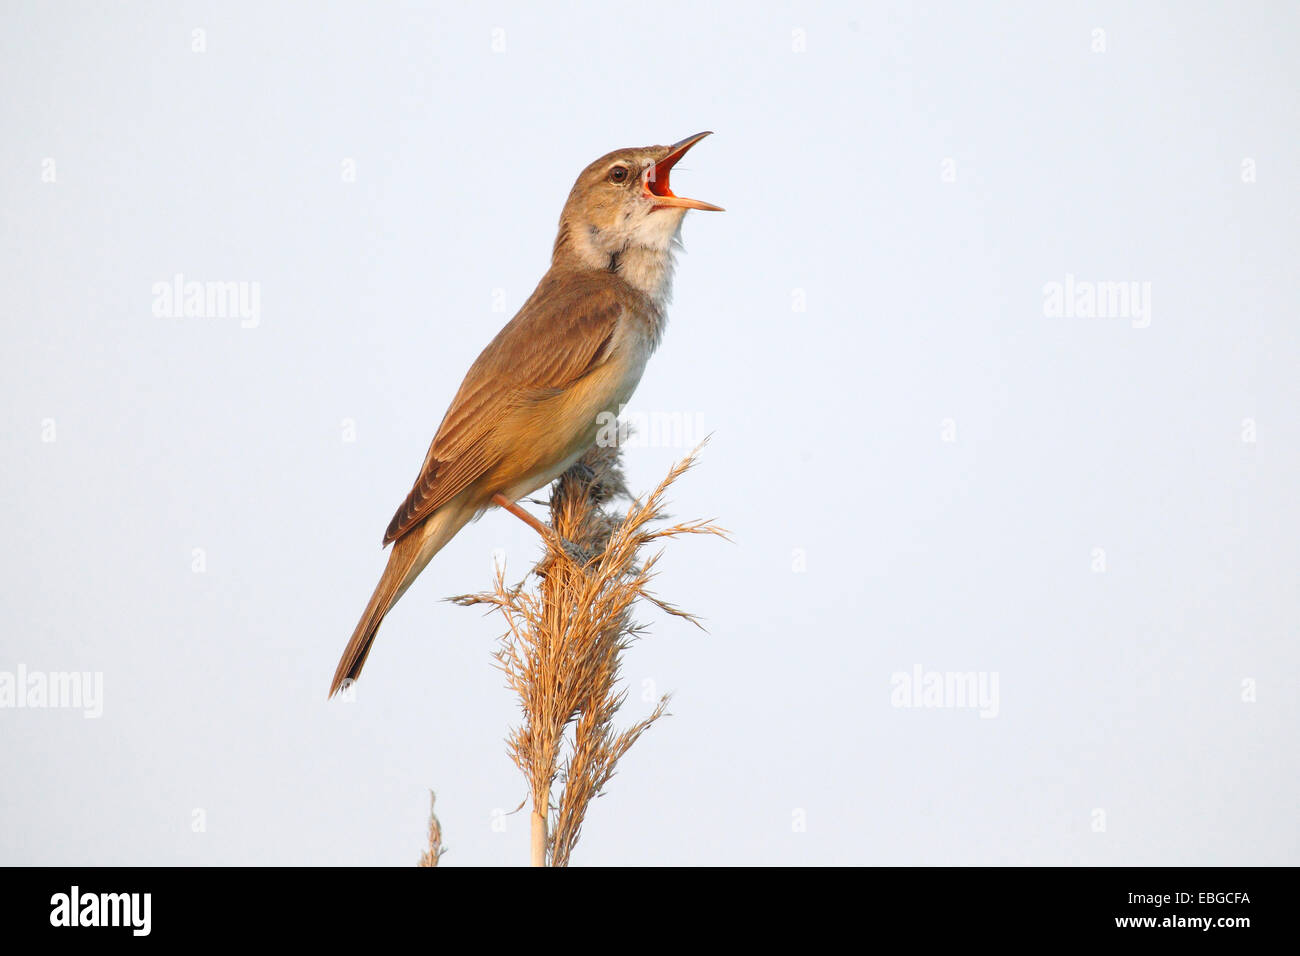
(655, 179)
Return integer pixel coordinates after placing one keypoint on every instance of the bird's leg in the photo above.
(576, 554)
(500, 500)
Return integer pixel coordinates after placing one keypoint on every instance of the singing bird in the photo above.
(531, 403)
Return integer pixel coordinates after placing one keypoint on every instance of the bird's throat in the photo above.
(647, 270)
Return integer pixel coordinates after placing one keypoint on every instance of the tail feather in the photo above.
(409, 556)
(391, 586)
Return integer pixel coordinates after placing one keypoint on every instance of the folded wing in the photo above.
(562, 333)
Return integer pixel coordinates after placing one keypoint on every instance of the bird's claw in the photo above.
(576, 553)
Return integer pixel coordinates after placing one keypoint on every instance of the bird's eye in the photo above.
(619, 174)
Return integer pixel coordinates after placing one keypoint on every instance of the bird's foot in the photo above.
(576, 553)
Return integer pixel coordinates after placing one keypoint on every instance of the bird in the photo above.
(533, 401)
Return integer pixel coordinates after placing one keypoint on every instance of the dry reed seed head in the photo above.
(561, 653)
(435, 850)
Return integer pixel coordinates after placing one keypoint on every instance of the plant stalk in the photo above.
(539, 839)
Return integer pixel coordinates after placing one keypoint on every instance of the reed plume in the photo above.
(568, 626)
(435, 850)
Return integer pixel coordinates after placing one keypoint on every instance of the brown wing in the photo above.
(561, 334)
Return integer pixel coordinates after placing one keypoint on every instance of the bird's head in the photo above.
(623, 203)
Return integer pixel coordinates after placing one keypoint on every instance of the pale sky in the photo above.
(928, 470)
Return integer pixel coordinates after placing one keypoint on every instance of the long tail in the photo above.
(410, 554)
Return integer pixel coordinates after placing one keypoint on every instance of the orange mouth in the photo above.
(656, 180)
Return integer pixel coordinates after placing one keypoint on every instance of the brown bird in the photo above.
(530, 404)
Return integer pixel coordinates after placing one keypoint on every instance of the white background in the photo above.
(1120, 692)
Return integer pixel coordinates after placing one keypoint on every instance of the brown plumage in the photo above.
(530, 405)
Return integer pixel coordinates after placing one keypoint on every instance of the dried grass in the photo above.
(433, 854)
(568, 627)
